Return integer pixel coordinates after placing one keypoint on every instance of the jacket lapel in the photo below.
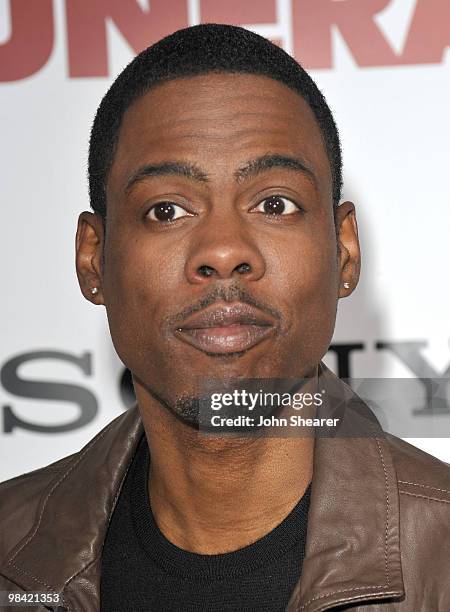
(352, 550)
(62, 551)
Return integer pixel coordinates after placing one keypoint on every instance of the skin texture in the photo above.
(215, 495)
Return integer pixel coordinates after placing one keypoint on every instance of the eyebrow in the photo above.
(252, 168)
(266, 162)
(177, 168)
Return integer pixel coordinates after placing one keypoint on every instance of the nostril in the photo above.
(243, 268)
(205, 270)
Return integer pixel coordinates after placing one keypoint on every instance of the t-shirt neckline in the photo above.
(191, 565)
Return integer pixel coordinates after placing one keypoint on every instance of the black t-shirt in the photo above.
(142, 570)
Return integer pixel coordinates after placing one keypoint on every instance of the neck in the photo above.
(213, 495)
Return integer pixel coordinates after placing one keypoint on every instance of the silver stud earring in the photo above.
(346, 285)
(94, 290)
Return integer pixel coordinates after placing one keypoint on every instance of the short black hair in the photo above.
(193, 51)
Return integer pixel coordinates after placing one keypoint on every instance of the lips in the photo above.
(226, 329)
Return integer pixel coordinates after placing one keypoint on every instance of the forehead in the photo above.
(219, 121)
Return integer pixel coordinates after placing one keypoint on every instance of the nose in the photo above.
(224, 251)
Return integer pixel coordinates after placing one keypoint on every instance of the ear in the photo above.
(89, 250)
(349, 254)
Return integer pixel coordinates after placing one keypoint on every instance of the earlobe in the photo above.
(349, 250)
(89, 247)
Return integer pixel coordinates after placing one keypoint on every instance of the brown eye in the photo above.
(166, 212)
(277, 205)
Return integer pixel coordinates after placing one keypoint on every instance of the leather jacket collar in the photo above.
(352, 549)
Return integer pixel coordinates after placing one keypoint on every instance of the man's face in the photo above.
(220, 258)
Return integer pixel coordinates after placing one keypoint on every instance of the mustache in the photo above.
(229, 293)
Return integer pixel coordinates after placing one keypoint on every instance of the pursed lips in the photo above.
(228, 328)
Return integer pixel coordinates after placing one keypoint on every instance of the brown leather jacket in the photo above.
(378, 528)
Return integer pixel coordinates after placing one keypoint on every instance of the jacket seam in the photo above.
(360, 588)
(386, 530)
(40, 582)
(49, 494)
(25, 573)
(386, 569)
(443, 501)
(416, 484)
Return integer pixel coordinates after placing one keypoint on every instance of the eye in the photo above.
(277, 205)
(167, 212)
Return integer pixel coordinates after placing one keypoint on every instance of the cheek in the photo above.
(306, 265)
(305, 272)
(140, 269)
(137, 276)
